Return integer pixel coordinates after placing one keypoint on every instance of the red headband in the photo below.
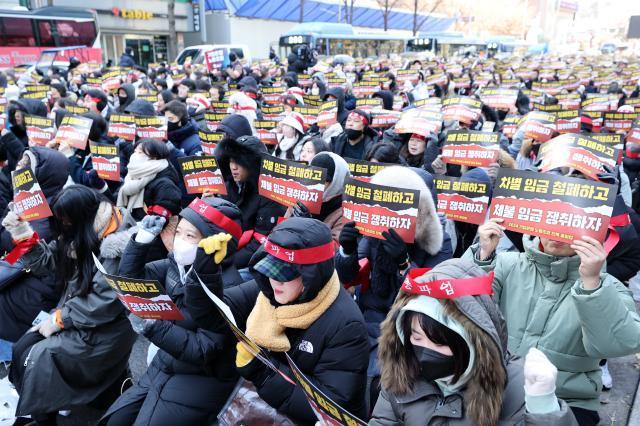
(214, 216)
(360, 116)
(301, 256)
(448, 288)
(92, 99)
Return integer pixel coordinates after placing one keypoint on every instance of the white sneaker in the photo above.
(607, 380)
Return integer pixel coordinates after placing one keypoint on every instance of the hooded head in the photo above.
(337, 94)
(476, 319)
(387, 98)
(246, 151)
(298, 234)
(235, 126)
(140, 107)
(337, 171)
(429, 233)
(130, 95)
(51, 168)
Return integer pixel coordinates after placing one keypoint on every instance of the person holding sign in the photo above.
(192, 374)
(182, 130)
(556, 297)
(389, 257)
(80, 351)
(291, 136)
(297, 305)
(444, 359)
(357, 138)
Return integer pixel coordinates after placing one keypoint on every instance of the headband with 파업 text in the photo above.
(447, 288)
(216, 217)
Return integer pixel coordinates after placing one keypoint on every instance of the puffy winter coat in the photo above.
(164, 191)
(186, 138)
(338, 142)
(545, 307)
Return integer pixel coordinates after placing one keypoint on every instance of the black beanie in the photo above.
(60, 88)
(326, 162)
(206, 227)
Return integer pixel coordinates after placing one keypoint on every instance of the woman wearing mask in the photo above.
(413, 152)
(444, 359)
(290, 139)
(150, 181)
(81, 350)
(192, 374)
(182, 131)
(331, 210)
(311, 148)
(164, 97)
(126, 95)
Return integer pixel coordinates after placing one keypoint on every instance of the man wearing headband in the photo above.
(443, 357)
(297, 305)
(357, 138)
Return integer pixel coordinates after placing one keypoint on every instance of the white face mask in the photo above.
(184, 252)
(138, 157)
(315, 91)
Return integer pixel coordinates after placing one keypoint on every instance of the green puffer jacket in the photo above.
(545, 306)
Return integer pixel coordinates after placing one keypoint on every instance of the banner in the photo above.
(74, 131)
(363, 170)
(216, 59)
(503, 99)
(462, 201)
(154, 127)
(209, 140)
(538, 125)
(106, 160)
(40, 130)
(376, 208)
(471, 148)
(461, 108)
(29, 201)
(579, 152)
(619, 121)
(555, 207)
(202, 174)
(287, 182)
(568, 121)
(266, 131)
(383, 118)
(328, 412)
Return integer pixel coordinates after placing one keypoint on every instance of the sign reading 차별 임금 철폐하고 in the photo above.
(552, 206)
(462, 201)
(202, 173)
(29, 201)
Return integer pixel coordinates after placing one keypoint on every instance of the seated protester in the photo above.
(384, 153)
(82, 171)
(182, 131)
(301, 308)
(390, 257)
(290, 138)
(151, 182)
(164, 98)
(96, 100)
(234, 126)
(81, 351)
(13, 139)
(576, 313)
(357, 138)
(331, 210)
(126, 95)
(387, 98)
(139, 107)
(241, 104)
(311, 148)
(413, 151)
(444, 360)
(22, 300)
(240, 161)
(186, 85)
(337, 93)
(192, 374)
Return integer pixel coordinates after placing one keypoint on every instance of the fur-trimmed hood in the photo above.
(429, 233)
(246, 150)
(486, 331)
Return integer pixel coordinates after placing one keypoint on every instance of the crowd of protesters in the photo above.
(532, 350)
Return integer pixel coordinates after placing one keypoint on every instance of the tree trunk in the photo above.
(415, 17)
(173, 37)
(301, 17)
(386, 14)
(351, 12)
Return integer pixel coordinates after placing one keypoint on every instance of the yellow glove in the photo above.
(216, 245)
(243, 357)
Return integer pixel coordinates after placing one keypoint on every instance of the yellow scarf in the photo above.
(266, 323)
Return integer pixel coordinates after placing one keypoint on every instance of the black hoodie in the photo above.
(387, 98)
(338, 94)
(131, 95)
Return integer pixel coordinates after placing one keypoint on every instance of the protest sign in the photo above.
(363, 170)
(309, 114)
(213, 119)
(266, 131)
(209, 140)
(461, 108)
(328, 114)
(77, 110)
(503, 99)
(216, 59)
(376, 208)
(202, 174)
(567, 121)
(287, 182)
(510, 125)
(538, 125)
(462, 201)
(383, 118)
(275, 113)
(579, 152)
(106, 160)
(369, 104)
(569, 100)
(272, 95)
(40, 130)
(122, 126)
(598, 103)
(619, 121)
(418, 121)
(29, 201)
(154, 127)
(551, 206)
(471, 148)
(74, 131)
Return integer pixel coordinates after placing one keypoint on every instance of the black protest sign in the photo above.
(202, 174)
(462, 200)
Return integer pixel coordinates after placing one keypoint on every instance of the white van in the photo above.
(196, 53)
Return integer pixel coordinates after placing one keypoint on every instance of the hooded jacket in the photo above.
(543, 302)
(186, 138)
(339, 142)
(235, 125)
(432, 246)
(490, 389)
(131, 96)
(331, 352)
(338, 94)
(14, 143)
(258, 213)
(387, 98)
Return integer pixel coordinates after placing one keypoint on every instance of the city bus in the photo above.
(24, 34)
(340, 39)
(446, 44)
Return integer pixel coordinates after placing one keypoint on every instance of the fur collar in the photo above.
(113, 245)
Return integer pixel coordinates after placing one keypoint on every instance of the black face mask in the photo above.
(353, 134)
(123, 99)
(182, 99)
(173, 126)
(433, 365)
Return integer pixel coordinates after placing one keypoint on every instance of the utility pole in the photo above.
(173, 37)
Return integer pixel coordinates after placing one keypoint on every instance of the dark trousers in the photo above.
(126, 415)
(586, 417)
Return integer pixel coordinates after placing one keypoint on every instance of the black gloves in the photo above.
(204, 263)
(300, 210)
(394, 247)
(349, 238)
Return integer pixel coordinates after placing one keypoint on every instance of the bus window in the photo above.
(16, 32)
(321, 46)
(44, 31)
(72, 33)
